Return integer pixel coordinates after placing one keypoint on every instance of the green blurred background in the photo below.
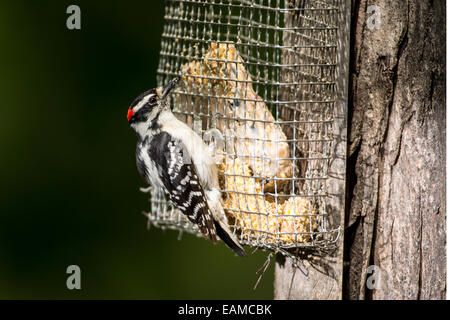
(69, 185)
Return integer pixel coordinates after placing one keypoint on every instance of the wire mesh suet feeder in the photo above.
(258, 84)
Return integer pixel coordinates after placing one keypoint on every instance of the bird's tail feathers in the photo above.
(224, 233)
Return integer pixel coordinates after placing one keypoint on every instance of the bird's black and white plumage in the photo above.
(172, 156)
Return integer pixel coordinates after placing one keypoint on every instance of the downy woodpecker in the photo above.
(173, 157)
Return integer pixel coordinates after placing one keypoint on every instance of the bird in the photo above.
(171, 156)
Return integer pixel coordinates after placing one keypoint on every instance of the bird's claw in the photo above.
(146, 190)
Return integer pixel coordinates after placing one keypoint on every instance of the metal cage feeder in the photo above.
(260, 77)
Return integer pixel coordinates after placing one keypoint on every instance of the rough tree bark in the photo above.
(395, 206)
(396, 169)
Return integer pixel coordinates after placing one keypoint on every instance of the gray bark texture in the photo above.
(396, 206)
(395, 209)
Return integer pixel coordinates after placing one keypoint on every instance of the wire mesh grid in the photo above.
(258, 77)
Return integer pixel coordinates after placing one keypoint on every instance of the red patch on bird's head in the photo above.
(130, 113)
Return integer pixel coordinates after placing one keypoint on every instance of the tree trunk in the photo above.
(396, 168)
(395, 233)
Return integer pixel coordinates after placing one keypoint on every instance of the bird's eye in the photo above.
(152, 100)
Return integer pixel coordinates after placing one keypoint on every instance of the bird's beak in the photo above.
(168, 87)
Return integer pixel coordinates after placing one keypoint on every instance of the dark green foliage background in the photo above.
(69, 185)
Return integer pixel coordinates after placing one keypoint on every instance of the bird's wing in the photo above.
(181, 182)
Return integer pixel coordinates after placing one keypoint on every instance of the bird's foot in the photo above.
(146, 190)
